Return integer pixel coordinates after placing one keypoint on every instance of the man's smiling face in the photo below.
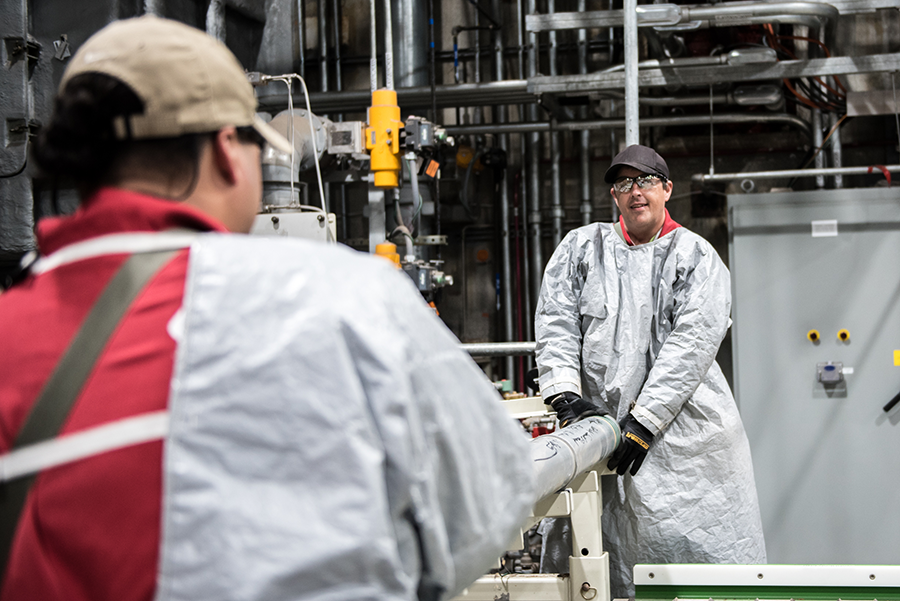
(643, 210)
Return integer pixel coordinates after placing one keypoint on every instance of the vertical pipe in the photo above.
(817, 142)
(836, 151)
(534, 193)
(556, 210)
(613, 148)
(411, 43)
(301, 37)
(526, 257)
(584, 142)
(215, 20)
(712, 154)
(506, 268)
(339, 85)
(322, 9)
(388, 47)
(336, 14)
(373, 45)
(154, 7)
(526, 315)
(632, 131)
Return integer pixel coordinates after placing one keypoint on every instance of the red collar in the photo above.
(115, 211)
(668, 225)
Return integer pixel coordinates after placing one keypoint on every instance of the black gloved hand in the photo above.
(571, 408)
(636, 441)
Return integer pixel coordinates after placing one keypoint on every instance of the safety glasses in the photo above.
(644, 182)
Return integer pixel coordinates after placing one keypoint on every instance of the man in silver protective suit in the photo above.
(629, 320)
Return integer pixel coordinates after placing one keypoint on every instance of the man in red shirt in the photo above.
(251, 428)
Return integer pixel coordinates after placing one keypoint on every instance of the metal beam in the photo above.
(699, 76)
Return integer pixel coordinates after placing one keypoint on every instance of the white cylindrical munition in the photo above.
(570, 451)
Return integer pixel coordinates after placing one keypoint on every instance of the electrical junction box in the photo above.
(826, 456)
(346, 137)
(311, 225)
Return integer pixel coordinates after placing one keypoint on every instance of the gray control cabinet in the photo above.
(816, 335)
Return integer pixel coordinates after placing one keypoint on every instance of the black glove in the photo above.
(636, 441)
(571, 408)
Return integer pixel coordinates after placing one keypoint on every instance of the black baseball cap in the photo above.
(640, 157)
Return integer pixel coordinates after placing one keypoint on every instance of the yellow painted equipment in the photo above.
(388, 250)
(383, 138)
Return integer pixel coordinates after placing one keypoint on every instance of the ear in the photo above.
(225, 154)
(612, 192)
(669, 187)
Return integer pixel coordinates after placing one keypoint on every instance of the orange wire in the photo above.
(772, 38)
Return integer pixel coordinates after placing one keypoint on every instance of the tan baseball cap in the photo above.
(189, 82)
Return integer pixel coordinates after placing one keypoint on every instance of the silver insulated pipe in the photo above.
(571, 451)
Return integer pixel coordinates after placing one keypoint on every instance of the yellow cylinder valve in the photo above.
(388, 250)
(383, 138)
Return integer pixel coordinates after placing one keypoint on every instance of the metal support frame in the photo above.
(703, 76)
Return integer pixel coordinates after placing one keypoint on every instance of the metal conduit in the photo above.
(836, 152)
(321, 10)
(556, 208)
(506, 255)
(498, 349)
(584, 138)
(632, 109)
(518, 128)
(817, 142)
(570, 451)
(534, 192)
(791, 173)
(512, 91)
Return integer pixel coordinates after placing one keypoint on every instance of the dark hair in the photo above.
(78, 146)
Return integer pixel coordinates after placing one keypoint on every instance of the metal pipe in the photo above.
(534, 192)
(556, 208)
(790, 173)
(584, 137)
(388, 47)
(570, 451)
(544, 126)
(154, 7)
(301, 37)
(817, 143)
(716, 15)
(336, 14)
(511, 91)
(836, 152)
(321, 17)
(505, 241)
(411, 43)
(215, 20)
(632, 109)
(498, 349)
(373, 45)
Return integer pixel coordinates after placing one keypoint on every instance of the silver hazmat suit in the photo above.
(329, 440)
(637, 328)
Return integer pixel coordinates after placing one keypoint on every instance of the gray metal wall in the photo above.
(827, 462)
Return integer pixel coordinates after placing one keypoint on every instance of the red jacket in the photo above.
(90, 529)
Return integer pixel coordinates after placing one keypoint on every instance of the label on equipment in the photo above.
(824, 228)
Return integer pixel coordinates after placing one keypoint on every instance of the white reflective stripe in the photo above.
(86, 443)
(114, 244)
